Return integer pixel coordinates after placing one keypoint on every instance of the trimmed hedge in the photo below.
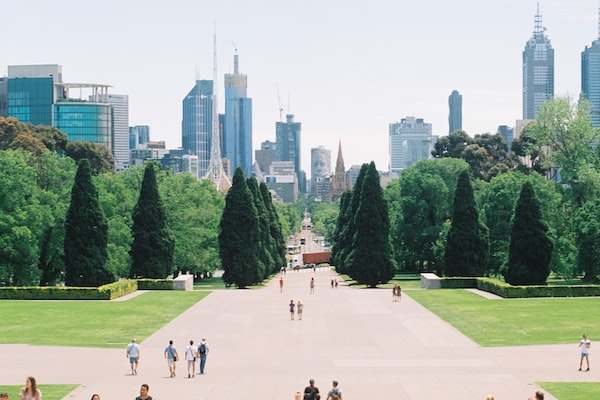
(155, 284)
(505, 290)
(106, 292)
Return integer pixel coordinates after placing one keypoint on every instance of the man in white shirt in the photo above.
(191, 352)
(133, 353)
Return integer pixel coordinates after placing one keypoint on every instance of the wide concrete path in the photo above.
(377, 349)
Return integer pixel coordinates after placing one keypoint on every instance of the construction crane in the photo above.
(279, 102)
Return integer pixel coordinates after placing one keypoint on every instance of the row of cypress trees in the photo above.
(361, 246)
(251, 242)
(467, 242)
(86, 233)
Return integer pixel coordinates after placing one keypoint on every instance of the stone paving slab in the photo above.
(374, 347)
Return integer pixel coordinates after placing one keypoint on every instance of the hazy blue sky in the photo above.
(346, 69)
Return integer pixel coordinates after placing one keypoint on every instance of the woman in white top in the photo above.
(30, 391)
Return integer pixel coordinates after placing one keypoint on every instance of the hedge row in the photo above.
(505, 290)
(106, 292)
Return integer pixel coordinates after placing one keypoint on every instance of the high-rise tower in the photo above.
(455, 116)
(538, 70)
(287, 137)
(590, 77)
(237, 144)
(197, 122)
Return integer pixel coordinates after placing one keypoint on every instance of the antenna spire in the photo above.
(538, 29)
(215, 168)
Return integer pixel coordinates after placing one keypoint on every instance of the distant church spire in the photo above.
(339, 179)
(215, 168)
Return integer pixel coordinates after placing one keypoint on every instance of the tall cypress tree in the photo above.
(86, 234)
(265, 261)
(370, 261)
(153, 243)
(347, 232)
(530, 249)
(239, 235)
(467, 244)
(278, 243)
(342, 221)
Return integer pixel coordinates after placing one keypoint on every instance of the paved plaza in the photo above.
(375, 348)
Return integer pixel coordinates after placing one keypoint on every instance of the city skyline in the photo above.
(346, 73)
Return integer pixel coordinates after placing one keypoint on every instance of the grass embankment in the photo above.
(92, 323)
(49, 392)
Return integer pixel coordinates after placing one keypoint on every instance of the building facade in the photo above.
(538, 70)
(320, 171)
(287, 137)
(120, 136)
(237, 135)
(410, 141)
(455, 116)
(31, 92)
(590, 78)
(196, 124)
(138, 135)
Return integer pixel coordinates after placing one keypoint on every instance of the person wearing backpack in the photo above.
(334, 393)
(203, 351)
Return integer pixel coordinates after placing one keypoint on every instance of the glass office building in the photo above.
(538, 70)
(237, 143)
(590, 79)
(85, 121)
(410, 141)
(196, 126)
(455, 116)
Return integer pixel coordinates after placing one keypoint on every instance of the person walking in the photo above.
(395, 292)
(133, 353)
(292, 307)
(281, 284)
(191, 352)
(335, 393)
(171, 356)
(300, 309)
(203, 352)
(311, 391)
(585, 344)
(312, 285)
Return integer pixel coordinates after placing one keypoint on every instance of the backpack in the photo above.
(202, 348)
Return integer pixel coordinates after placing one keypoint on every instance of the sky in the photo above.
(345, 69)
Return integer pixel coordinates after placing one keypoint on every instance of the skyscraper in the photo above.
(287, 137)
(320, 171)
(138, 135)
(237, 145)
(120, 135)
(538, 70)
(590, 78)
(410, 141)
(197, 123)
(455, 116)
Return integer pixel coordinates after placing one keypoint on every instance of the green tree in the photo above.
(346, 236)
(99, 157)
(239, 235)
(153, 243)
(193, 208)
(467, 245)
(337, 239)
(530, 249)
(588, 240)
(370, 260)
(452, 145)
(278, 243)
(265, 261)
(324, 217)
(86, 234)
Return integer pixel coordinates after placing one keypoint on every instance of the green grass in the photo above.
(49, 392)
(512, 322)
(572, 390)
(92, 323)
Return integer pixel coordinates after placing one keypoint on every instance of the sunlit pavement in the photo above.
(374, 347)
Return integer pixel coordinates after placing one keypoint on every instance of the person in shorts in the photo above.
(584, 345)
(133, 353)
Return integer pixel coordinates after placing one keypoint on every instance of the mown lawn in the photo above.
(49, 392)
(92, 323)
(512, 322)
